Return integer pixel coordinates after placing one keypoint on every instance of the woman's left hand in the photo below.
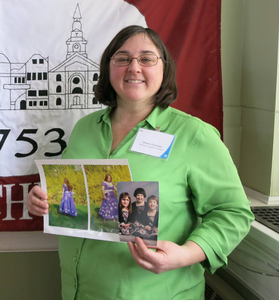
(168, 255)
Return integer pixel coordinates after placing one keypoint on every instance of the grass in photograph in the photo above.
(56, 218)
(98, 224)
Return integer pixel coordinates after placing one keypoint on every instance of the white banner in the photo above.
(49, 65)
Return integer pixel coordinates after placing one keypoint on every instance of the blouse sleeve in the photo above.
(218, 197)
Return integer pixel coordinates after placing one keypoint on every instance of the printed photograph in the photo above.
(82, 196)
(66, 196)
(102, 189)
(138, 210)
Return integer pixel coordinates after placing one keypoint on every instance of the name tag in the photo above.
(154, 143)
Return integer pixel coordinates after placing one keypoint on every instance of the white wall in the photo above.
(249, 65)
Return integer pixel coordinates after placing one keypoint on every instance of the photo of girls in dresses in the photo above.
(102, 191)
(82, 194)
(66, 196)
(138, 215)
(67, 205)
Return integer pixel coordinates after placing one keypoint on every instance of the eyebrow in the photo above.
(142, 52)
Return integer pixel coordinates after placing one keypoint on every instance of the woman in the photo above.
(197, 182)
(109, 207)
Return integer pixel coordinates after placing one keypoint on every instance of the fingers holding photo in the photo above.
(37, 201)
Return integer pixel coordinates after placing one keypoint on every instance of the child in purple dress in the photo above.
(109, 207)
(67, 205)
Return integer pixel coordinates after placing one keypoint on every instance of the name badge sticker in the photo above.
(154, 143)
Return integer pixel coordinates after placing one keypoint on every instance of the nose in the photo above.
(134, 66)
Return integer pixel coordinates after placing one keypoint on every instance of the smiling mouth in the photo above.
(134, 81)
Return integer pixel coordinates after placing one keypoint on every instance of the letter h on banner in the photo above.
(9, 202)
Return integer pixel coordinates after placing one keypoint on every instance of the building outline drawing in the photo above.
(69, 85)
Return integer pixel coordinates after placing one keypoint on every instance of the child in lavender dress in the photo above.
(109, 207)
(67, 205)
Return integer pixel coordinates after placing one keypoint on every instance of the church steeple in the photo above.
(76, 43)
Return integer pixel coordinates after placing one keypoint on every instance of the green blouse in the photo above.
(201, 199)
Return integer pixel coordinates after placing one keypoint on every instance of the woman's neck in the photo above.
(124, 118)
(129, 116)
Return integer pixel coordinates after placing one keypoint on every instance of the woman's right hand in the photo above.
(37, 201)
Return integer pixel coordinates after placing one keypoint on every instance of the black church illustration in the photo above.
(70, 85)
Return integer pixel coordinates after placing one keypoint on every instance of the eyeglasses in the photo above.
(146, 60)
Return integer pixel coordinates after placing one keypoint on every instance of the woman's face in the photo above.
(135, 83)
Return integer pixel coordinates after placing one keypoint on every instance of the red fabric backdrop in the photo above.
(191, 31)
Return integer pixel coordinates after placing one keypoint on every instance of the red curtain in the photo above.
(191, 31)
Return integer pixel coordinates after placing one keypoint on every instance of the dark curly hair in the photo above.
(167, 93)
